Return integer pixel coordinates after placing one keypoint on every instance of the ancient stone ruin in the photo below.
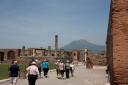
(117, 42)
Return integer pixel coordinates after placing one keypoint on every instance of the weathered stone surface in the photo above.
(98, 59)
(117, 42)
(9, 54)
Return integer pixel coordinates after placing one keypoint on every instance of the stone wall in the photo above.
(117, 42)
(75, 55)
(98, 59)
(9, 54)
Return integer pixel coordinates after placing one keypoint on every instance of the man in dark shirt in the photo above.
(14, 73)
(67, 68)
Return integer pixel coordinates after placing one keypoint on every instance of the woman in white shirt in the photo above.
(72, 68)
(33, 73)
(62, 69)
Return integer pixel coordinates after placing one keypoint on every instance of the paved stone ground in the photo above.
(83, 76)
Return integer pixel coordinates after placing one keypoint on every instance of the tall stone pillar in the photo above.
(49, 50)
(117, 42)
(56, 45)
(56, 42)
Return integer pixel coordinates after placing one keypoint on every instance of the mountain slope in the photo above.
(82, 44)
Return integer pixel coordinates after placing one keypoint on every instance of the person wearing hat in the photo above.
(33, 73)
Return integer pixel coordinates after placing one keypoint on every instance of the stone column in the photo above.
(49, 50)
(86, 53)
(56, 45)
(34, 52)
(118, 40)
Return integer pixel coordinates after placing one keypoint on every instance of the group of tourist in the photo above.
(67, 68)
(33, 71)
(35, 67)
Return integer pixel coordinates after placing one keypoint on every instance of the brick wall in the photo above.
(117, 42)
(98, 59)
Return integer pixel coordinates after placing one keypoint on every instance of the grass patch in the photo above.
(4, 71)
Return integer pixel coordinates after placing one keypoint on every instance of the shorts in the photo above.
(13, 79)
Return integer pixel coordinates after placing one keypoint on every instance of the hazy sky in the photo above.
(34, 23)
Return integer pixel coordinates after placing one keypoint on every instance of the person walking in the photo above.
(67, 68)
(72, 68)
(14, 71)
(57, 67)
(39, 66)
(33, 73)
(45, 66)
(62, 69)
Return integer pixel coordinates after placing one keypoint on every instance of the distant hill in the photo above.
(82, 44)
